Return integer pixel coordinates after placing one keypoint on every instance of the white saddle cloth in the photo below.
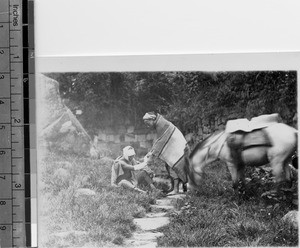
(245, 125)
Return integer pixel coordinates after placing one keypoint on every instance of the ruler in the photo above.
(16, 51)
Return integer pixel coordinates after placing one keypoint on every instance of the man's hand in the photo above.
(140, 166)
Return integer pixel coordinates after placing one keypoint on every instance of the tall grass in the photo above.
(68, 218)
(215, 216)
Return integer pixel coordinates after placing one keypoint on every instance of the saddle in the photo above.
(244, 134)
(241, 140)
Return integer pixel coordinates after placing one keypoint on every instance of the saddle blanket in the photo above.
(170, 144)
(242, 140)
(174, 148)
(255, 123)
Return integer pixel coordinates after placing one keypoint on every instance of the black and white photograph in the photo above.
(168, 159)
(149, 123)
(164, 123)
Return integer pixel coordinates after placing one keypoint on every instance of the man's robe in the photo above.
(169, 146)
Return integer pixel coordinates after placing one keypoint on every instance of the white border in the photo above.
(196, 62)
(147, 27)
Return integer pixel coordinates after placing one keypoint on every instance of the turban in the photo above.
(128, 151)
(149, 116)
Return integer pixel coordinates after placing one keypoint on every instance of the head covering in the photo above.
(128, 151)
(149, 116)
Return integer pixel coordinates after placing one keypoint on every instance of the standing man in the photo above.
(169, 147)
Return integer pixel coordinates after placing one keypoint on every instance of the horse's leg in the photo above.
(238, 177)
(281, 172)
(288, 175)
(233, 171)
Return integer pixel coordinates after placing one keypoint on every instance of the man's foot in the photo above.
(141, 191)
(173, 192)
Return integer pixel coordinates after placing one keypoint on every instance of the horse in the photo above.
(274, 144)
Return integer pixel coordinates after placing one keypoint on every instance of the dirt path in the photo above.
(147, 234)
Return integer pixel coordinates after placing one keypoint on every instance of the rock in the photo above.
(48, 101)
(148, 224)
(61, 178)
(156, 215)
(85, 192)
(178, 196)
(129, 137)
(130, 129)
(68, 233)
(58, 128)
(291, 218)
(61, 173)
(147, 236)
(65, 164)
(67, 127)
(141, 243)
(165, 201)
(160, 208)
(94, 152)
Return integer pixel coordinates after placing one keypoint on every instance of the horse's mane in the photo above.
(203, 143)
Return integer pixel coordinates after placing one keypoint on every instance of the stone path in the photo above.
(147, 234)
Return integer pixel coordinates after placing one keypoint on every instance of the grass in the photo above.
(214, 216)
(104, 218)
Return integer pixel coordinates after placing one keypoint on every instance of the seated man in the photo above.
(124, 168)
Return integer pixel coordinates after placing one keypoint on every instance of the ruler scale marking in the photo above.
(15, 224)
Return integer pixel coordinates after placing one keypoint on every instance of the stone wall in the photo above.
(113, 140)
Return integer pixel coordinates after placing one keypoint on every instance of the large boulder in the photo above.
(291, 218)
(58, 128)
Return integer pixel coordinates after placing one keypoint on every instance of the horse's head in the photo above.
(203, 154)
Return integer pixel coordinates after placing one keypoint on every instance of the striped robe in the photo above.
(169, 146)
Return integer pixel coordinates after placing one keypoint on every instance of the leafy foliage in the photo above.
(186, 98)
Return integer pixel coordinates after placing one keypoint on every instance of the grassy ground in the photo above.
(67, 218)
(215, 216)
(212, 217)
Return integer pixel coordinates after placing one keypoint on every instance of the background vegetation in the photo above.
(185, 98)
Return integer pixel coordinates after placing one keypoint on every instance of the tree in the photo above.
(188, 99)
